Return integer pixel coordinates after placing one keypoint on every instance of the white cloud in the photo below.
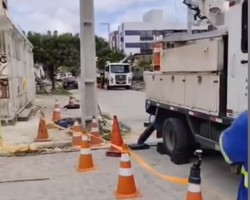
(63, 15)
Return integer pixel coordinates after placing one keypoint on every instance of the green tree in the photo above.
(55, 50)
(63, 50)
(104, 53)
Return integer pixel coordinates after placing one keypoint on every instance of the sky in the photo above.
(63, 15)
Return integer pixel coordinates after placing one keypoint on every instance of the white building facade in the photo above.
(138, 37)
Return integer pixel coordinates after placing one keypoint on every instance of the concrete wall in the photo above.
(19, 70)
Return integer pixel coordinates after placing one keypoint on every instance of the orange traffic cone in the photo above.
(77, 135)
(71, 101)
(95, 139)
(126, 187)
(57, 104)
(194, 186)
(116, 139)
(76, 126)
(42, 135)
(57, 112)
(85, 161)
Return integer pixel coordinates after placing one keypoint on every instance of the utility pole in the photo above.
(88, 62)
(109, 40)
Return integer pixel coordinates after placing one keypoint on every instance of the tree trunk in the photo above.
(52, 77)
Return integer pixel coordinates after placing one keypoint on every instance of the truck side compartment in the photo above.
(192, 102)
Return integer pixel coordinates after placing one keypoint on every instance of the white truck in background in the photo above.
(118, 75)
(202, 82)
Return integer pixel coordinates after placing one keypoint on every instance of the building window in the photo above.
(244, 28)
(133, 45)
(138, 45)
(146, 51)
(132, 32)
(146, 35)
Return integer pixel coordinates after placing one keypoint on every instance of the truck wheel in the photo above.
(128, 87)
(175, 136)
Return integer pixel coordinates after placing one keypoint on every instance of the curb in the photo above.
(39, 146)
(51, 144)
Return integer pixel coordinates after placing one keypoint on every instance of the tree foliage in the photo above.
(55, 50)
(104, 53)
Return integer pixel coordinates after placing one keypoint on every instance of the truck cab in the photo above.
(118, 75)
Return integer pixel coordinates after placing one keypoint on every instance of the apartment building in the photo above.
(138, 37)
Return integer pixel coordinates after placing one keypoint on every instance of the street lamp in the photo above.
(108, 25)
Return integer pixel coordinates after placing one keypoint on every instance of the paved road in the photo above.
(129, 106)
(66, 183)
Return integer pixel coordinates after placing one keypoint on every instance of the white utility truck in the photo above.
(202, 82)
(118, 75)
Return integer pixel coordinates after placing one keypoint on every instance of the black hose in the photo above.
(146, 134)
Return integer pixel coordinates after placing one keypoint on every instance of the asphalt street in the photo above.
(66, 183)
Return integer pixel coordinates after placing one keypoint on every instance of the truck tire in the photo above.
(175, 137)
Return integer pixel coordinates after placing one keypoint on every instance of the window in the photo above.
(119, 69)
(139, 45)
(132, 45)
(131, 33)
(244, 28)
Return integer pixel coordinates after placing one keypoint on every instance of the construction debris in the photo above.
(106, 126)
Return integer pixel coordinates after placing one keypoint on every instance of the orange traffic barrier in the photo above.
(115, 140)
(77, 135)
(96, 138)
(57, 112)
(85, 161)
(42, 135)
(126, 187)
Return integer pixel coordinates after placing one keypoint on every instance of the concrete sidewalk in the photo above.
(25, 132)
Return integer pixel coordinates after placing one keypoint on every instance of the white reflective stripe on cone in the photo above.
(77, 134)
(125, 158)
(76, 123)
(125, 172)
(85, 151)
(57, 109)
(84, 138)
(95, 129)
(194, 188)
